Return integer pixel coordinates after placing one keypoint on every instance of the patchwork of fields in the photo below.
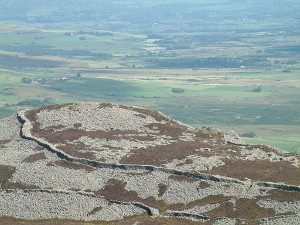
(232, 75)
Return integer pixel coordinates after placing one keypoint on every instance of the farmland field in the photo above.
(238, 71)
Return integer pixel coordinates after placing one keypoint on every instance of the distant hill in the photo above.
(138, 12)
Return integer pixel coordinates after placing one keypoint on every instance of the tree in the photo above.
(177, 90)
(257, 89)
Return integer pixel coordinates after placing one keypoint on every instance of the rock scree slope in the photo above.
(116, 164)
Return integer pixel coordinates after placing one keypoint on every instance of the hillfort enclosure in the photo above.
(117, 164)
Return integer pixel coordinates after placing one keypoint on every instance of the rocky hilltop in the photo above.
(115, 164)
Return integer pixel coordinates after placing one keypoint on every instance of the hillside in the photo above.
(116, 164)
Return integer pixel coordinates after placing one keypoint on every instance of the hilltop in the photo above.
(117, 164)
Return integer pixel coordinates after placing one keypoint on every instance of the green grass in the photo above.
(118, 43)
(270, 75)
(287, 145)
(95, 87)
(280, 136)
(100, 86)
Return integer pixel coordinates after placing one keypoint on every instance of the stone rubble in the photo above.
(46, 205)
(67, 190)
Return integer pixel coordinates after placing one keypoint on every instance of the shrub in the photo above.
(35, 102)
(177, 90)
(249, 135)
